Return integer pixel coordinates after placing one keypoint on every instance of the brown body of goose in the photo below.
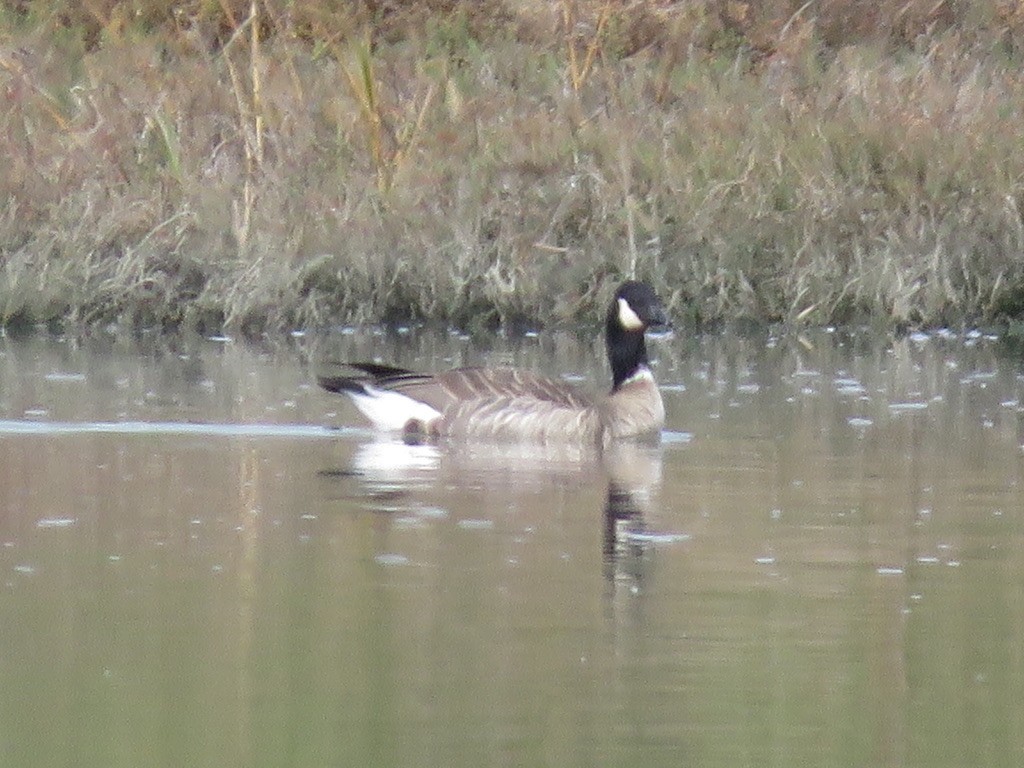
(515, 405)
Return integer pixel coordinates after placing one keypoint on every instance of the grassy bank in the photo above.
(265, 165)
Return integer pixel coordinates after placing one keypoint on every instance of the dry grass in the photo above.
(261, 165)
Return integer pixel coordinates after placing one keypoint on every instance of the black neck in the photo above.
(627, 351)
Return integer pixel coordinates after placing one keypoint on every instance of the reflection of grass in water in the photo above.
(504, 161)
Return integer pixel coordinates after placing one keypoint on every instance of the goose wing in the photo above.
(467, 384)
(460, 386)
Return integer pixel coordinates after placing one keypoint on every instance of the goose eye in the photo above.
(629, 319)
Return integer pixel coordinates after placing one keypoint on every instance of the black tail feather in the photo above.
(370, 373)
(378, 371)
(342, 384)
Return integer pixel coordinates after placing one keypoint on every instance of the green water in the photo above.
(823, 564)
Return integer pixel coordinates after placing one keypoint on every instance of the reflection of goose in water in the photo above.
(512, 405)
(390, 461)
(394, 475)
(634, 479)
(634, 476)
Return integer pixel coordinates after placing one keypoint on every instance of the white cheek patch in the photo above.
(629, 319)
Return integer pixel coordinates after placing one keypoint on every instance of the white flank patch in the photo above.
(628, 319)
(392, 410)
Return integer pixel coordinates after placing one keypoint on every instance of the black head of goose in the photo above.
(510, 404)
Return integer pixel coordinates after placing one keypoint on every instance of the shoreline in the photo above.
(504, 164)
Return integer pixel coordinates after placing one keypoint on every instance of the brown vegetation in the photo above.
(267, 164)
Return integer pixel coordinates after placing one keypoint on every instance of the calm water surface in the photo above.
(823, 563)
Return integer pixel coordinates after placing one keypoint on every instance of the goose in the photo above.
(516, 405)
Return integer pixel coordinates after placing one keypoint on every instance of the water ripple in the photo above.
(45, 428)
